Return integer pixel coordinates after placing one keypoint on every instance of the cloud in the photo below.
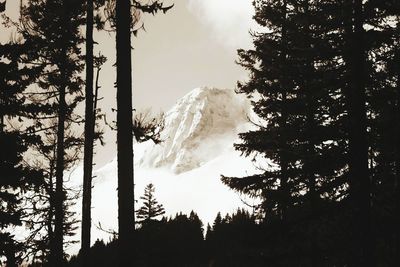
(229, 20)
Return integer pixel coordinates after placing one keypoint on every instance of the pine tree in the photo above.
(383, 113)
(91, 98)
(150, 209)
(325, 90)
(268, 80)
(53, 28)
(360, 36)
(89, 136)
(395, 70)
(17, 178)
(41, 202)
(359, 181)
(296, 113)
(296, 75)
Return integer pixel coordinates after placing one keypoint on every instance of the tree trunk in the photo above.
(50, 218)
(1, 118)
(358, 146)
(310, 124)
(284, 163)
(89, 137)
(57, 246)
(10, 255)
(397, 179)
(57, 252)
(126, 219)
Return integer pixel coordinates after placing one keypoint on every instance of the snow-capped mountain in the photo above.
(186, 167)
(202, 125)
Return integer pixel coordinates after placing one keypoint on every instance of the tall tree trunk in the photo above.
(89, 137)
(59, 194)
(284, 163)
(358, 145)
(311, 124)
(10, 255)
(50, 214)
(396, 198)
(57, 246)
(397, 179)
(126, 220)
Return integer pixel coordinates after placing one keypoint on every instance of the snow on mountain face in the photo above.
(199, 134)
(198, 128)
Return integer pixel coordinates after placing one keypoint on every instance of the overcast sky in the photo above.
(193, 45)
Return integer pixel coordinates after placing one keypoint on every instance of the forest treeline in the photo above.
(324, 79)
(181, 240)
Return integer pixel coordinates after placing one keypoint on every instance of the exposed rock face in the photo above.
(202, 125)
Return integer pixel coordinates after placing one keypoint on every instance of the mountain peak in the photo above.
(200, 126)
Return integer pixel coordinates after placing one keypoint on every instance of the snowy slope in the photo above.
(199, 134)
(201, 126)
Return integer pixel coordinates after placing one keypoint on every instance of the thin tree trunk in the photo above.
(1, 116)
(50, 214)
(309, 111)
(397, 179)
(126, 221)
(284, 164)
(57, 245)
(89, 137)
(1, 122)
(396, 198)
(311, 125)
(96, 93)
(59, 194)
(358, 145)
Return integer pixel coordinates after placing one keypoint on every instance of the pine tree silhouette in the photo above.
(53, 29)
(17, 177)
(151, 209)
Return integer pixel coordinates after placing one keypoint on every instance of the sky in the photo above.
(193, 45)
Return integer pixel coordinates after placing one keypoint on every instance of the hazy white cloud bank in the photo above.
(229, 20)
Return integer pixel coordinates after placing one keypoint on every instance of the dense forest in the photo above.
(324, 82)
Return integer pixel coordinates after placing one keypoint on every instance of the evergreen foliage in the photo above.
(319, 76)
(324, 80)
(53, 29)
(17, 177)
(175, 241)
(41, 202)
(151, 209)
